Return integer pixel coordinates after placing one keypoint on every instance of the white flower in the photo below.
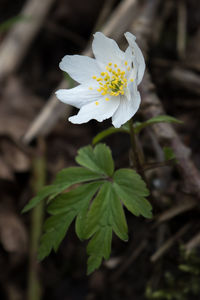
(108, 82)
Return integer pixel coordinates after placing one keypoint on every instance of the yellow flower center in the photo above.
(112, 82)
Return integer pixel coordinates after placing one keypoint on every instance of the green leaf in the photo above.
(64, 179)
(158, 119)
(169, 153)
(107, 132)
(72, 175)
(132, 191)
(105, 215)
(6, 25)
(118, 217)
(42, 194)
(76, 200)
(56, 228)
(104, 158)
(138, 126)
(93, 263)
(99, 247)
(64, 209)
(98, 160)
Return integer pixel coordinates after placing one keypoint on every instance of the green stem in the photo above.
(38, 181)
(136, 152)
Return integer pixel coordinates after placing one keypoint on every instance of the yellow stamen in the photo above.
(126, 63)
(131, 79)
(90, 88)
(113, 82)
(97, 103)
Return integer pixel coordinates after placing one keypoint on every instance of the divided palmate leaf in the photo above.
(98, 160)
(76, 200)
(64, 209)
(132, 191)
(64, 179)
(105, 215)
(55, 230)
(96, 205)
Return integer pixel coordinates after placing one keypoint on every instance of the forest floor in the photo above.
(161, 260)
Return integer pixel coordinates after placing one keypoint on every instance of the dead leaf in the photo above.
(13, 235)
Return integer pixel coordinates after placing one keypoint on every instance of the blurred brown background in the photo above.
(36, 141)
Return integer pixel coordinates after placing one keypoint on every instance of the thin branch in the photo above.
(176, 210)
(181, 28)
(152, 106)
(193, 243)
(17, 42)
(127, 262)
(169, 243)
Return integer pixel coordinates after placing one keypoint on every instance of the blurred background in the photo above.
(161, 259)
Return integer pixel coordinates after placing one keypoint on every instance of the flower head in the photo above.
(108, 82)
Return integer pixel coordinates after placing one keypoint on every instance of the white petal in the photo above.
(127, 108)
(132, 74)
(106, 50)
(129, 56)
(80, 68)
(138, 55)
(78, 96)
(102, 111)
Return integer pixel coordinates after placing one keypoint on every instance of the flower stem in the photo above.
(136, 152)
(34, 290)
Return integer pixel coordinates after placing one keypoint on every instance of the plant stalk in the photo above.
(34, 291)
(137, 162)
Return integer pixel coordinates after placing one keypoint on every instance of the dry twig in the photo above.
(152, 106)
(169, 243)
(176, 210)
(181, 28)
(193, 243)
(128, 261)
(18, 40)
(185, 79)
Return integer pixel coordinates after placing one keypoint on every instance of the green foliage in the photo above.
(10, 22)
(138, 126)
(96, 204)
(182, 286)
(132, 191)
(169, 154)
(107, 132)
(105, 215)
(158, 119)
(64, 179)
(97, 160)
